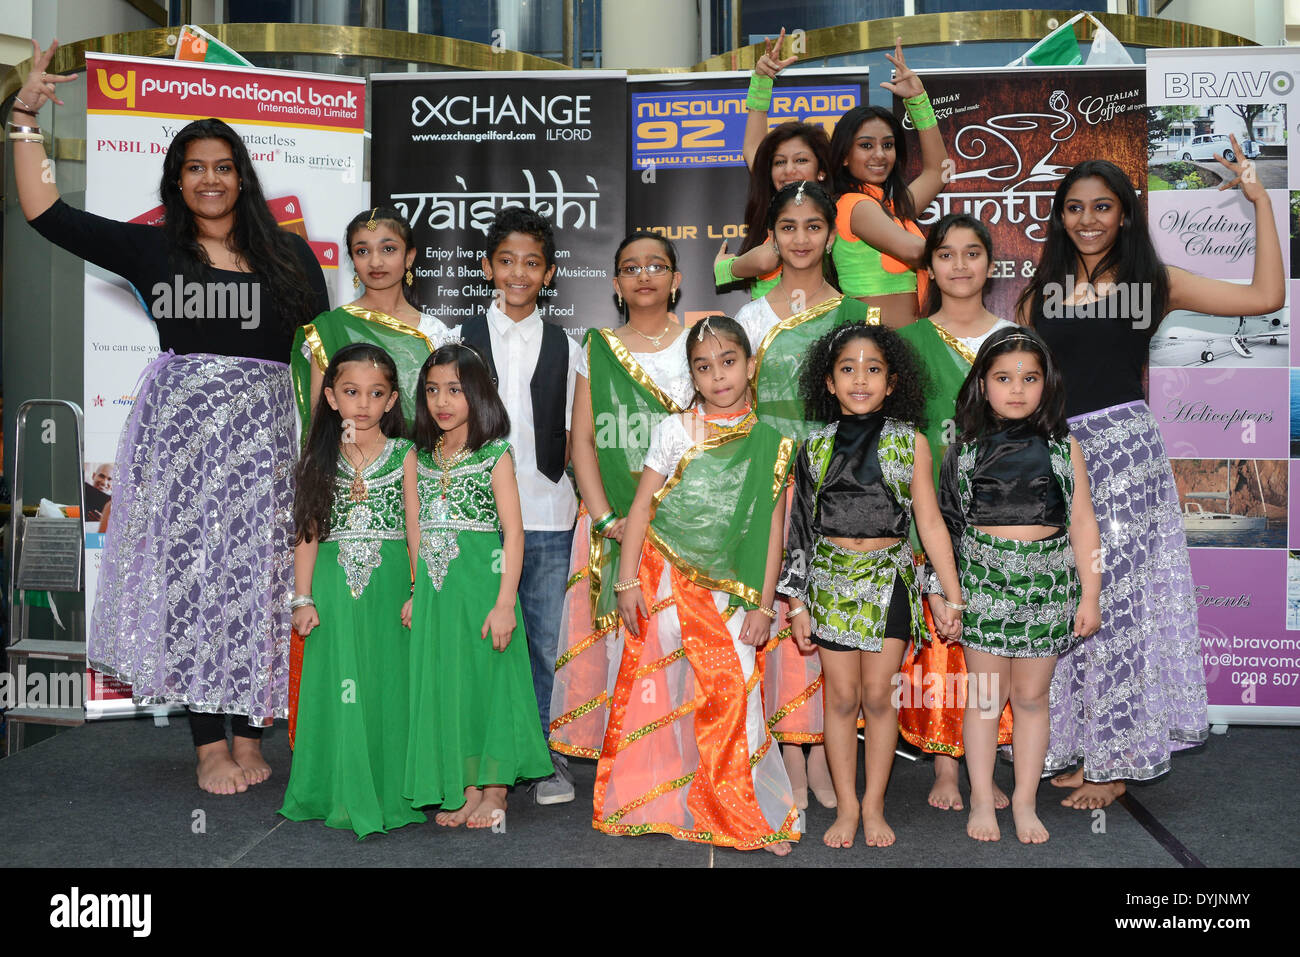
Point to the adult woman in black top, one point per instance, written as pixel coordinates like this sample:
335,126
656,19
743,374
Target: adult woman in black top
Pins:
197,570
1126,698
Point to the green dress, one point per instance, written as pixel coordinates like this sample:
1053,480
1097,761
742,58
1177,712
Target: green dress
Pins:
473,710
315,343
350,751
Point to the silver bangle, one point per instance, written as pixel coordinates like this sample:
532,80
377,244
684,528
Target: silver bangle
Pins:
795,611
27,137
301,601
15,128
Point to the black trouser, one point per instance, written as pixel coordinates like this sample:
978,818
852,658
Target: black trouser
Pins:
211,728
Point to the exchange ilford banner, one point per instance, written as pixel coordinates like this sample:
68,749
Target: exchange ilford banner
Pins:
456,148
1012,135
688,179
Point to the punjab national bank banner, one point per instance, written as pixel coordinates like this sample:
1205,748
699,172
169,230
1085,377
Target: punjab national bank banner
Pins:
1012,134
688,179
452,149
1224,389
305,135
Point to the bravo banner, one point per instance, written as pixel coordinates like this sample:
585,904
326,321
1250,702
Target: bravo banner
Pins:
1012,134
688,179
305,135
1224,389
455,148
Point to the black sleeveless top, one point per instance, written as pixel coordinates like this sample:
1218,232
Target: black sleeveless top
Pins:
1100,353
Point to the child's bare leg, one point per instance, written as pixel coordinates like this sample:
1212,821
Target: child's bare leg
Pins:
879,671
988,683
473,796
843,694
218,773
797,772
1031,679
491,810
247,753
819,776
945,794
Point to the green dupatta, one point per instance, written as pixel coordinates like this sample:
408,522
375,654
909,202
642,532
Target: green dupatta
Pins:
780,358
946,361
713,517
626,405
317,342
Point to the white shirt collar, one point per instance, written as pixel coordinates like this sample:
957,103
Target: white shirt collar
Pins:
501,324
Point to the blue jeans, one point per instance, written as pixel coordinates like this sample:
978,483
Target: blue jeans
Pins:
541,596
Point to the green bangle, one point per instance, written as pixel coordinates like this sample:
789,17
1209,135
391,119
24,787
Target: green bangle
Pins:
760,93
722,272
920,111
604,522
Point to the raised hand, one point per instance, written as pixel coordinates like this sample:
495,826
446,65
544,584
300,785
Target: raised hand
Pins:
39,87
770,63
905,83
1243,171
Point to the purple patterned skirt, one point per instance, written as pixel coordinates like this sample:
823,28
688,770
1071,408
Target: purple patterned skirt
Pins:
197,568
1124,699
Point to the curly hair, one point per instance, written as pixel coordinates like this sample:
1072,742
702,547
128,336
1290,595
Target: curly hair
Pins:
907,400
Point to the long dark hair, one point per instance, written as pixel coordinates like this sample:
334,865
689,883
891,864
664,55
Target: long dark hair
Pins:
976,419
898,199
488,418
1133,258
791,192
390,216
319,462
934,299
670,253
254,235
760,177
719,327
906,402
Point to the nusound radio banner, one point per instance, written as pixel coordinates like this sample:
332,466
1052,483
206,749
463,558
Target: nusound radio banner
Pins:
456,148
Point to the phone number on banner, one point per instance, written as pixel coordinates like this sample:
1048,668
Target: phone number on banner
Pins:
707,127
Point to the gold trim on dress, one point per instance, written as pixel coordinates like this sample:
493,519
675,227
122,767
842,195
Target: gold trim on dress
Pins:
784,452
634,369
387,321
312,338
952,342
790,322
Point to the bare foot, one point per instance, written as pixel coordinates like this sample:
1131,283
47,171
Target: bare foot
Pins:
1071,779
218,772
459,816
944,795
491,810
840,834
819,776
1091,795
982,824
796,770
780,848
1029,828
874,828
1000,799
247,753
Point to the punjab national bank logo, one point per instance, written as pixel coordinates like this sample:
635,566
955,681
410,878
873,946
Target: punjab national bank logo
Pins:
117,86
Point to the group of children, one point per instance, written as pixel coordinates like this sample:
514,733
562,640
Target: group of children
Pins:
755,492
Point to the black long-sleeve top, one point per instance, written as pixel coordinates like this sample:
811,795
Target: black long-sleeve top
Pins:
1011,483
140,255
853,502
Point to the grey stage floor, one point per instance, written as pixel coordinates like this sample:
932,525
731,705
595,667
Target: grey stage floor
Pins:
122,794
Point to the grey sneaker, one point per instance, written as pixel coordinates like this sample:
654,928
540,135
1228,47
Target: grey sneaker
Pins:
557,789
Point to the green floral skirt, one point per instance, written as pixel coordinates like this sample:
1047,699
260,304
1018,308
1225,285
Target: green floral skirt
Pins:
849,593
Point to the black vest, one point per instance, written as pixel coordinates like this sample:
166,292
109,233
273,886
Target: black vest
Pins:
549,389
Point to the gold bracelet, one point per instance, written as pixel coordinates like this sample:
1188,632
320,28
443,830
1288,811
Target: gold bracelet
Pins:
953,605
770,613
627,584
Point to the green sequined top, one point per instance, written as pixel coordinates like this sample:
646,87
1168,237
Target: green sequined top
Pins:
465,505
358,527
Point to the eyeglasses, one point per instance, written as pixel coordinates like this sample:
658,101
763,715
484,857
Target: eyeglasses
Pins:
653,270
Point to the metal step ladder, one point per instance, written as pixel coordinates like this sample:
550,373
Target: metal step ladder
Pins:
45,555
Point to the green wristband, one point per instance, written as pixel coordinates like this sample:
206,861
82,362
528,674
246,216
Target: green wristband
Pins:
760,93
920,111
722,272
604,522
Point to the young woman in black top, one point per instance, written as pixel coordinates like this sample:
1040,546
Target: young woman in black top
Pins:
197,570
1136,692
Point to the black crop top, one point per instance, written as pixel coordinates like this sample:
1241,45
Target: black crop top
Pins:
853,502
1101,355
139,254
1011,483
